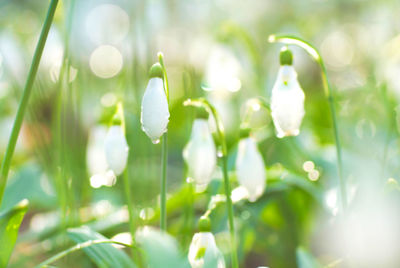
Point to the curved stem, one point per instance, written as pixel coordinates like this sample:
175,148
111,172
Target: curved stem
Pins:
164,156
78,247
161,61
5,167
293,40
201,102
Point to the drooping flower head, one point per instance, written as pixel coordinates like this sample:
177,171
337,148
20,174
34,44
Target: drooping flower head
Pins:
287,100
200,153
154,111
203,251
250,169
115,146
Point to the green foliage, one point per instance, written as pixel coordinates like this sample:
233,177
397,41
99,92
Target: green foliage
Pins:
103,255
359,45
29,183
9,226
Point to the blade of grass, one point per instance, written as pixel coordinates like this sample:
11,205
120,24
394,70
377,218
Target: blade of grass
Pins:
5,166
78,247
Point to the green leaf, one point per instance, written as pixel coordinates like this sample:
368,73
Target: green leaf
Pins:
9,225
161,249
104,255
29,183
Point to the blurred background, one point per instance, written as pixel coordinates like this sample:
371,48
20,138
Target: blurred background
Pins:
219,50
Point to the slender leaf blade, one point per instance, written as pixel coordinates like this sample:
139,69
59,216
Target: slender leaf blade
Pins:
9,226
103,255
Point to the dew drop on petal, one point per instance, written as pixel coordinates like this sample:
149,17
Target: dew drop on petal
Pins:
157,141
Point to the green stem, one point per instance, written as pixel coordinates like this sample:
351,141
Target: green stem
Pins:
287,39
164,156
127,188
164,159
60,179
201,102
5,167
78,247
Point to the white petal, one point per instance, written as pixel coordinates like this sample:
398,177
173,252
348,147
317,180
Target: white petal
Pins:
250,168
212,257
200,153
155,113
95,156
287,103
116,149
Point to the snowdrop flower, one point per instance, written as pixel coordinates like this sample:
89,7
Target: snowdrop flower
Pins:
200,153
116,148
250,168
287,100
155,113
203,251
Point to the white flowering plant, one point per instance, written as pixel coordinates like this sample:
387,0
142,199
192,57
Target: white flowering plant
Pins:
239,148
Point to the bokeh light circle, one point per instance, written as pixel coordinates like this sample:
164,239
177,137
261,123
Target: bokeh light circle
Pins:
106,61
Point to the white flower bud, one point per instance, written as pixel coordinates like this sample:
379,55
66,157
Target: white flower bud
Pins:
155,113
116,149
203,252
200,153
287,103
250,168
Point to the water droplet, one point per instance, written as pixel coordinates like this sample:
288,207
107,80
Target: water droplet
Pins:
157,141
189,180
219,153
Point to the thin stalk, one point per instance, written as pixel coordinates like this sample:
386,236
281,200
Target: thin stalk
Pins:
292,40
119,113
221,135
164,156
128,197
163,197
189,215
5,166
76,248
